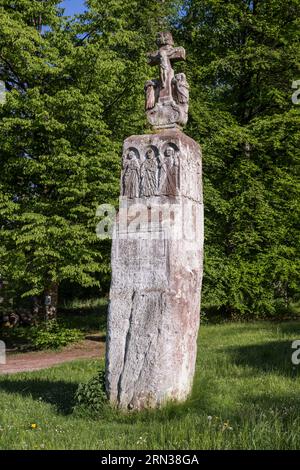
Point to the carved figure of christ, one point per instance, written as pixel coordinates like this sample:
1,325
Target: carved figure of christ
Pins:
164,58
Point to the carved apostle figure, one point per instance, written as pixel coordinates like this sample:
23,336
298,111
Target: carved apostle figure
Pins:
149,174
169,173
131,175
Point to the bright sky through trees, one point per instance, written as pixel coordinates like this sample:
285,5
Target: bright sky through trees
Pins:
72,7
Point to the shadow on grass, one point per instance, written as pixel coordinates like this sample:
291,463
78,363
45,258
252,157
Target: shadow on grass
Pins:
86,323
85,318
290,328
273,356
57,393
285,404
97,338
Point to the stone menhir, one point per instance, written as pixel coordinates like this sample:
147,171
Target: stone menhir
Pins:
157,251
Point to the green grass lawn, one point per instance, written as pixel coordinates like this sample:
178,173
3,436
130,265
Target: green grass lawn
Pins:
246,396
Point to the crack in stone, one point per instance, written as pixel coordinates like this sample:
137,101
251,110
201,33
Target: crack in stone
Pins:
158,330
128,335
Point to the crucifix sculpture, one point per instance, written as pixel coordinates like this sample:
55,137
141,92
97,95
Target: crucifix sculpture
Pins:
167,98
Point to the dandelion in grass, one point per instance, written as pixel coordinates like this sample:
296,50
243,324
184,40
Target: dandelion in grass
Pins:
226,426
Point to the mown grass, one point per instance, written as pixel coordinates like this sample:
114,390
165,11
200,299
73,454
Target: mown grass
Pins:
246,395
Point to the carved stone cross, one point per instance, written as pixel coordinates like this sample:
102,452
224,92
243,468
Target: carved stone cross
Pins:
164,57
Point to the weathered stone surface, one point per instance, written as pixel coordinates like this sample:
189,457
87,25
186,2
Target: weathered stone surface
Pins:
157,258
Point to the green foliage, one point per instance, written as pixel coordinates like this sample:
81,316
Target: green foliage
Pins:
76,91
90,397
54,336
47,335
57,157
242,59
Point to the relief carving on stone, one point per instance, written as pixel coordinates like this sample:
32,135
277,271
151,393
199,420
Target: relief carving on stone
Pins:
169,171
181,89
149,172
131,173
190,177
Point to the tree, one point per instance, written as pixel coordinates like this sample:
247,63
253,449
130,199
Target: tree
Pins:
75,91
57,157
243,57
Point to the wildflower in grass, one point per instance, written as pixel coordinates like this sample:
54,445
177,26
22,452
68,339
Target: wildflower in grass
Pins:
141,440
226,426
33,426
